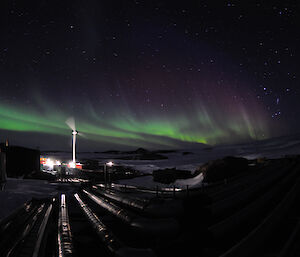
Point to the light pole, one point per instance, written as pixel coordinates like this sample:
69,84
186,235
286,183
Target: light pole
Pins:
109,164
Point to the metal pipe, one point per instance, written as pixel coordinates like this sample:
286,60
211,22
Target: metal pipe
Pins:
256,237
65,242
154,208
159,227
105,177
113,244
41,232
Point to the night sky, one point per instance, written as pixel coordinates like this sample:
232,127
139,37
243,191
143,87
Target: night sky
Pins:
153,74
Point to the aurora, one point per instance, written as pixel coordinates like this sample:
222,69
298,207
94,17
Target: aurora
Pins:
181,127
153,76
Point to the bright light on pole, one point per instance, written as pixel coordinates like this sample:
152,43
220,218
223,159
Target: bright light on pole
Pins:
49,163
72,165
109,164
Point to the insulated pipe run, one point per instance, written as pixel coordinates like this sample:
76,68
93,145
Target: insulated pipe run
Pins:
64,237
42,231
111,242
156,227
119,197
153,208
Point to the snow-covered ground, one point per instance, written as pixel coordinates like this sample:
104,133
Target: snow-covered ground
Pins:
19,191
147,181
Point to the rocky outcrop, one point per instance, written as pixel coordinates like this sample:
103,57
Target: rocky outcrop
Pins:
167,176
222,168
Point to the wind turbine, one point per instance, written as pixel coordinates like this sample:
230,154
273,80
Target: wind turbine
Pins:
74,133
71,123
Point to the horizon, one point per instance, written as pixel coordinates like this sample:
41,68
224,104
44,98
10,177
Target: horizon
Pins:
86,148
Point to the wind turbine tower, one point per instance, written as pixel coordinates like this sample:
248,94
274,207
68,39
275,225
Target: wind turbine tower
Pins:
74,133
71,123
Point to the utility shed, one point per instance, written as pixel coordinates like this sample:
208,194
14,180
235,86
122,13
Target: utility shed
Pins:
20,161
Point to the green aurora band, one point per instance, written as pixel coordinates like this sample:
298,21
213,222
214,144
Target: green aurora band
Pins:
155,131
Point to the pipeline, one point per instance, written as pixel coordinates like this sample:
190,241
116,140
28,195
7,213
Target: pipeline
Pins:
156,227
256,237
245,195
41,232
113,244
7,224
65,242
166,192
253,209
149,207
21,243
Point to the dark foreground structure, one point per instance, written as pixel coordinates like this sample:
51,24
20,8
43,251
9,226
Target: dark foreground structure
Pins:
254,213
3,175
20,161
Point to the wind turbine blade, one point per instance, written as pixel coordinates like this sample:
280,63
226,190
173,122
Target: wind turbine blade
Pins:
71,123
82,135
